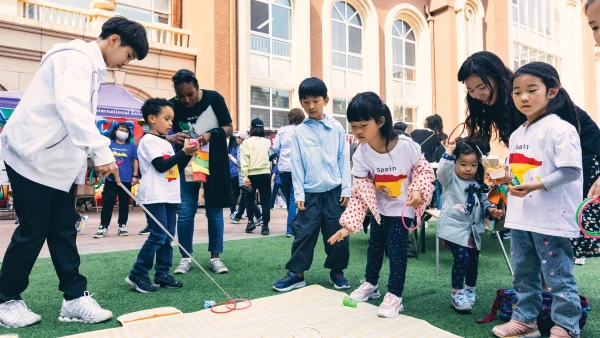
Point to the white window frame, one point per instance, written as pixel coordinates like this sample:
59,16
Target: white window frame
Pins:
271,38
423,103
342,115
153,10
347,54
536,42
370,48
271,108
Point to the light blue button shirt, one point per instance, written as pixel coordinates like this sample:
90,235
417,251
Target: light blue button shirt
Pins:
320,158
283,145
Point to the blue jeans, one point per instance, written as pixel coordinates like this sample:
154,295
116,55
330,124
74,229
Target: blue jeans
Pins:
438,194
553,256
185,222
290,201
158,243
391,233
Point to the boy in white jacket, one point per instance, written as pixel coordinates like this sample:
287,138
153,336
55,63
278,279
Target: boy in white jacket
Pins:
45,146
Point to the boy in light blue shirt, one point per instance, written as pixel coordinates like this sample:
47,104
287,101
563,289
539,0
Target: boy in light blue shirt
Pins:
320,164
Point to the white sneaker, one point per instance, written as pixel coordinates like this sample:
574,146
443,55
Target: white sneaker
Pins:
470,295
580,261
84,310
184,266
391,306
15,313
102,231
218,267
365,292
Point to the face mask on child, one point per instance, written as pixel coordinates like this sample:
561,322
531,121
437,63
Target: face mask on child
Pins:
122,135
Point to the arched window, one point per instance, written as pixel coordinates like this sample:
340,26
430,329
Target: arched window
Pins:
347,47
404,65
271,39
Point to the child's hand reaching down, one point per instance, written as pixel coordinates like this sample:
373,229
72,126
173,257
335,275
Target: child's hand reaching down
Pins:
339,236
522,190
495,213
415,199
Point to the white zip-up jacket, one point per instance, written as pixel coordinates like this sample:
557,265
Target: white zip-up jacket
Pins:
53,129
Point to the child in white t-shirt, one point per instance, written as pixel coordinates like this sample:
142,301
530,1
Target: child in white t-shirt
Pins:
401,176
546,188
159,193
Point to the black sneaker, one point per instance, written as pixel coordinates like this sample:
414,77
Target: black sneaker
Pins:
259,221
141,284
146,231
265,230
250,227
168,282
123,230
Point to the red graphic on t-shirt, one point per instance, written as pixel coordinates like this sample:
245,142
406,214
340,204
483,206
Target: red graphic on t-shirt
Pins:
390,185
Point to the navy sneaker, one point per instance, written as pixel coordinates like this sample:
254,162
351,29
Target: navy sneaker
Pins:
339,281
141,284
168,282
289,282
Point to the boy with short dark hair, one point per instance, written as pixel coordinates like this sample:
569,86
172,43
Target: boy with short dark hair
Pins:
320,164
45,145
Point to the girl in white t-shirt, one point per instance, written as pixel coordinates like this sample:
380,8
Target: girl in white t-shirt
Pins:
393,168
546,188
159,193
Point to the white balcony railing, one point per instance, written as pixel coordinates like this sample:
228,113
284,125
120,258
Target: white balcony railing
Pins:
81,18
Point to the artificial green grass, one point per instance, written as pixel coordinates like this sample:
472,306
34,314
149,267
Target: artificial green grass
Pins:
255,264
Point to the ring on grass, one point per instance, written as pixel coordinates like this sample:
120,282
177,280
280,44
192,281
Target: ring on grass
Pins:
579,218
237,301
212,309
417,212
453,130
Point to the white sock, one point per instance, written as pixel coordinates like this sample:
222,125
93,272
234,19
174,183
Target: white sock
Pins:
186,259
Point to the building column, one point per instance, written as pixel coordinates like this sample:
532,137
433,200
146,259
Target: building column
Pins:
572,40
445,63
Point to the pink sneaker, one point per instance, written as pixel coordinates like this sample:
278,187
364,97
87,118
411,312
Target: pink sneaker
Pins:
559,332
365,292
391,306
516,329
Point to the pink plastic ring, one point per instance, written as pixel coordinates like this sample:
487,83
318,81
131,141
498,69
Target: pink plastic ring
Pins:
418,219
453,130
237,301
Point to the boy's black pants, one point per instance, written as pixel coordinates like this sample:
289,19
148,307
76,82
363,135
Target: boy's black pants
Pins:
44,214
323,212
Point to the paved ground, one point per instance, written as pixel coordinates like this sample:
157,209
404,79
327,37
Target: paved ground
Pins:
137,221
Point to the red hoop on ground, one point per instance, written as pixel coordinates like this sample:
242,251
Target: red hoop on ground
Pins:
417,213
453,130
212,309
579,216
240,300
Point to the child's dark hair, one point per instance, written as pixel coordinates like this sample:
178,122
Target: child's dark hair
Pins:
442,137
113,132
561,104
154,106
368,105
232,143
482,120
312,87
131,33
468,148
257,131
434,122
400,128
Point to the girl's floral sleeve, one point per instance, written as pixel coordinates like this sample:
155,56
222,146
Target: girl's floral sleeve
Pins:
422,177
362,199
